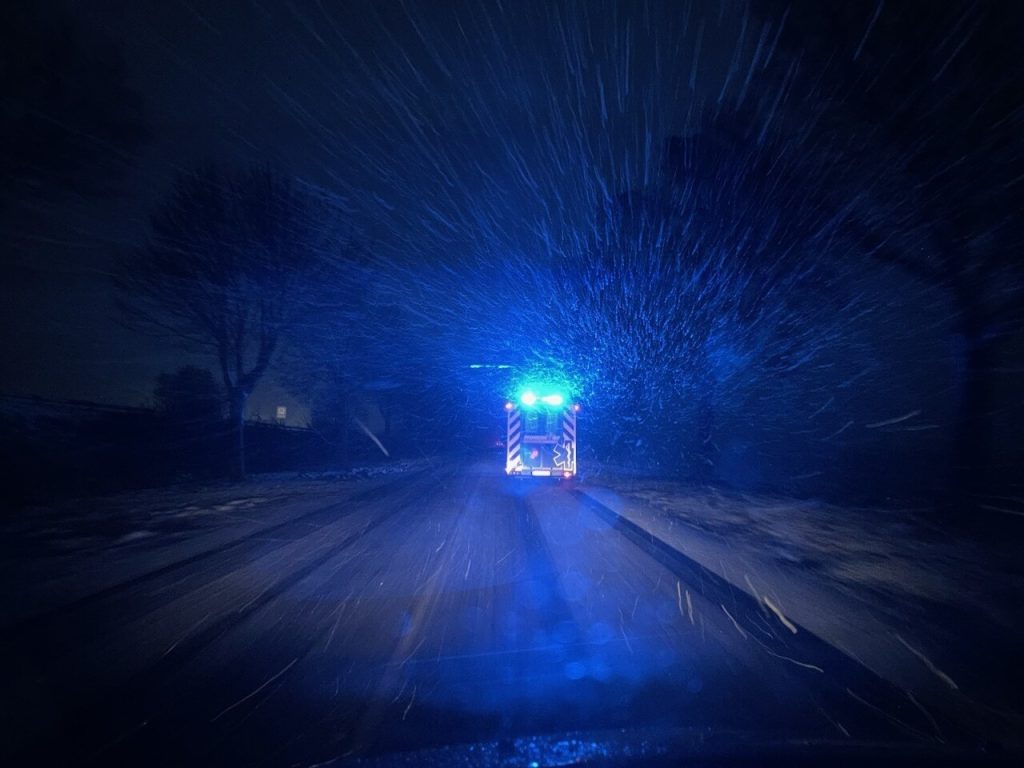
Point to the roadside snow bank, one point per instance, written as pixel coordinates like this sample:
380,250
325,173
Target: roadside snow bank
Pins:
937,616
54,555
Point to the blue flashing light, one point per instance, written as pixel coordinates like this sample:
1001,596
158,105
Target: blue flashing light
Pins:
552,397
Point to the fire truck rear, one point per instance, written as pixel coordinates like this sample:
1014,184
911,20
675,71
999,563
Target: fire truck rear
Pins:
541,440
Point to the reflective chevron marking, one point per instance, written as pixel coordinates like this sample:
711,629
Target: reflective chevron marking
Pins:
513,444
569,438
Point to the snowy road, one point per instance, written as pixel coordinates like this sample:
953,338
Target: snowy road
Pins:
429,608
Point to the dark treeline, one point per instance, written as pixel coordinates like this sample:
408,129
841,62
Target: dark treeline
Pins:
51,451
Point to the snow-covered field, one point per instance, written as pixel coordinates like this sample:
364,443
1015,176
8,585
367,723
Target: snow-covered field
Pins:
934,613
53,555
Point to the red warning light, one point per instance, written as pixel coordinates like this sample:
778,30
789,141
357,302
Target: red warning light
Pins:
567,475
508,406
576,408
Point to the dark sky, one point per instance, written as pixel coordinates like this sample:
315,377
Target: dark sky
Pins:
203,80
443,128
380,103
68,343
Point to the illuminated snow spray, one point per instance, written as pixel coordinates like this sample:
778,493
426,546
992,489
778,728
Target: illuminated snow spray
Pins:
541,438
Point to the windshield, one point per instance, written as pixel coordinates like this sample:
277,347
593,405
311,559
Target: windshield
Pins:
496,382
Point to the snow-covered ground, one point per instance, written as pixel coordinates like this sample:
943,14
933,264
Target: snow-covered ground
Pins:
936,615
53,555
933,613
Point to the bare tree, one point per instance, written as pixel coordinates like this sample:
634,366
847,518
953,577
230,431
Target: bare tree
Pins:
232,263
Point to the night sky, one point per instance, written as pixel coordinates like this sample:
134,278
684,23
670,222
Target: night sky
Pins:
320,94
200,76
480,133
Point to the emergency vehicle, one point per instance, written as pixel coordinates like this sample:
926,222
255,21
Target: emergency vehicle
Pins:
541,440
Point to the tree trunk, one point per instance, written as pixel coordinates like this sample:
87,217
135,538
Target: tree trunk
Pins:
239,397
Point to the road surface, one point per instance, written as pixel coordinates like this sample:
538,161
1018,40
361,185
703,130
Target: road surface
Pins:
429,608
